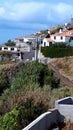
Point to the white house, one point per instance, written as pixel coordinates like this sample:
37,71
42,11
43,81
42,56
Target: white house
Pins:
63,37
47,42
31,38
20,41
8,48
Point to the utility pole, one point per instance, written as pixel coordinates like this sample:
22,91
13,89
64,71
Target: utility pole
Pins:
39,53
36,49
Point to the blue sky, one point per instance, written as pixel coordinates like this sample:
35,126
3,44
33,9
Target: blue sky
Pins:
23,17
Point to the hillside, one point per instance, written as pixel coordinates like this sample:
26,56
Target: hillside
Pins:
63,67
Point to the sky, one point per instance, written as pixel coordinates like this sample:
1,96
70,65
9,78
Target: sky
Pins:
23,17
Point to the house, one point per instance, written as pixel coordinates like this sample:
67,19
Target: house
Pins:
47,42
20,41
31,38
22,44
61,37
8,48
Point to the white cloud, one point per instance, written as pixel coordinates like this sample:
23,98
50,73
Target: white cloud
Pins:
63,11
2,11
39,13
20,11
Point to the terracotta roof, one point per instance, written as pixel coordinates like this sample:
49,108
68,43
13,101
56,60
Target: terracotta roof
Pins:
56,34
30,36
19,38
71,30
49,39
3,45
41,35
66,34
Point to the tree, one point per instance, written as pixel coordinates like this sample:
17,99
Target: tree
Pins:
10,43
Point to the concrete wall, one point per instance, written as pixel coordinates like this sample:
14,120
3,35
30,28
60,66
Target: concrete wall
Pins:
65,107
44,121
66,101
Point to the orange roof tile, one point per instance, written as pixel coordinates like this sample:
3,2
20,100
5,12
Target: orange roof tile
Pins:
49,39
30,36
3,45
55,34
41,35
66,34
19,38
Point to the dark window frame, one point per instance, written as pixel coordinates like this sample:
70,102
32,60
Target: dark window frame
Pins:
61,38
12,49
54,37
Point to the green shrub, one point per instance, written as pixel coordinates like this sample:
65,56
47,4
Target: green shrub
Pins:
4,82
33,73
9,121
22,115
10,43
57,50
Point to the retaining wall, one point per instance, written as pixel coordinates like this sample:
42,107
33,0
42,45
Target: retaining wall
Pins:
44,121
65,107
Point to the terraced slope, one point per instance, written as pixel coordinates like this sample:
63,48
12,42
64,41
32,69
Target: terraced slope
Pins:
63,68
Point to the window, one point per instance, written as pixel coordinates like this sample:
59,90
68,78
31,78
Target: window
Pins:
50,43
44,43
12,49
54,37
61,37
0,48
5,48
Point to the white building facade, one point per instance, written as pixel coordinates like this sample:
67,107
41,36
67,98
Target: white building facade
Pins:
62,37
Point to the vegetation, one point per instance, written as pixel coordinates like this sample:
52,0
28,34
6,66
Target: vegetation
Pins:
6,54
22,115
34,73
19,105
4,82
57,50
44,31
10,43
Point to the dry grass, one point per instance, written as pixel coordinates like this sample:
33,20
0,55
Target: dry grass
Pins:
64,65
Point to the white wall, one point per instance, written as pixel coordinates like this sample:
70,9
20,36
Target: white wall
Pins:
45,43
26,40
65,107
58,39
21,44
9,49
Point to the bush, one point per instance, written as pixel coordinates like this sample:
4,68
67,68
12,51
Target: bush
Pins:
10,43
57,50
6,54
33,73
4,82
22,115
